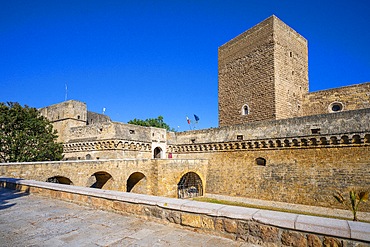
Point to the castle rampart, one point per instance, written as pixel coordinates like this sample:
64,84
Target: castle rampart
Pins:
338,99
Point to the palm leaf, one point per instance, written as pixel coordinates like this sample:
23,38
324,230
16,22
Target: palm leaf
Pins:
364,196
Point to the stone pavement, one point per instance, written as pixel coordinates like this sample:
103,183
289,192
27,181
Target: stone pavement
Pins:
29,220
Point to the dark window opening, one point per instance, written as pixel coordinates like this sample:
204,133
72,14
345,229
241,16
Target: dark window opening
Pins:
245,110
261,161
315,131
157,153
59,180
239,137
132,131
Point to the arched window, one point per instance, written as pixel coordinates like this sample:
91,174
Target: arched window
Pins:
245,110
157,153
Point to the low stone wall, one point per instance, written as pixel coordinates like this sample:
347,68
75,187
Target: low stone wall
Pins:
256,226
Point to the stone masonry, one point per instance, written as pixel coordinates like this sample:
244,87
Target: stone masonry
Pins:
276,140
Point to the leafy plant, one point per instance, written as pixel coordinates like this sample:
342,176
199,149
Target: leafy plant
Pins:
152,122
26,136
355,198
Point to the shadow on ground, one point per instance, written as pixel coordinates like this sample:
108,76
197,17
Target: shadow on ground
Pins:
7,195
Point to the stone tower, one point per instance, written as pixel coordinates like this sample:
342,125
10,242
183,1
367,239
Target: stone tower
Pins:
262,74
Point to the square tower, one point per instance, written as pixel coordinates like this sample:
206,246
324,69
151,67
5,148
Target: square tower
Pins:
262,74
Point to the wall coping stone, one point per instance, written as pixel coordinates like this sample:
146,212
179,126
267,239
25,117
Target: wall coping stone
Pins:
313,224
99,161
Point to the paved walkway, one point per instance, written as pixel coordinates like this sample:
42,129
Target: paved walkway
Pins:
29,220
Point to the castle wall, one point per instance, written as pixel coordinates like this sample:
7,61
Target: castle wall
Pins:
291,70
265,69
351,98
112,140
93,118
307,158
299,175
245,76
64,116
325,124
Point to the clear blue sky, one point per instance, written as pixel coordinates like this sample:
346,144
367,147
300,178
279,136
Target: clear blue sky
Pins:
142,59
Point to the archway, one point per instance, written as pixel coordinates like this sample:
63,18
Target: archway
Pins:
190,185
59,180
137,183
157,153
100,180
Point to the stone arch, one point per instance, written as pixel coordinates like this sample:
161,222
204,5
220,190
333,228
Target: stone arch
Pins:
356,139
367,138
59,180
137,183
100,180
190,185
157,153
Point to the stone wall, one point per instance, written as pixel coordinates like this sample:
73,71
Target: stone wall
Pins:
254,226
337,124
300,175
245,76
64,116
161,176
291,70
351,98
264,69
307,158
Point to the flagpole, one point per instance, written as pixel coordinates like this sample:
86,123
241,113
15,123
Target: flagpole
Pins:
188,120
65,97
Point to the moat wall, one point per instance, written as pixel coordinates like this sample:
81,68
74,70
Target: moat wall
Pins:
296,175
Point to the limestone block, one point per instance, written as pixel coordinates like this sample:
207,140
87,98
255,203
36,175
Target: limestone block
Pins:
201,207
331,227
208,223
266,233
360,230
290,238
192,220
275,218
231,226
237,212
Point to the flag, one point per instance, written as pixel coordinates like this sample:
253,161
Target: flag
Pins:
187,119
196,118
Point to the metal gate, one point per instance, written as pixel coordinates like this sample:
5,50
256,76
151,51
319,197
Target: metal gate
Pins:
190,185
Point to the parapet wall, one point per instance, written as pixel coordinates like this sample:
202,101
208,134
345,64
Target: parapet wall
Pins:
357,121
349,98
242,224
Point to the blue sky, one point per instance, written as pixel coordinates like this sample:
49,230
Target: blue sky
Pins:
142,59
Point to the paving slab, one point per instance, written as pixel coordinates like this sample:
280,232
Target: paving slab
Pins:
30,220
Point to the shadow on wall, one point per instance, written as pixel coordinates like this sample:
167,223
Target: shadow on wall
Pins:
9,193
100,180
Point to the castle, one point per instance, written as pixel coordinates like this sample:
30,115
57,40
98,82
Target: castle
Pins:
275,141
